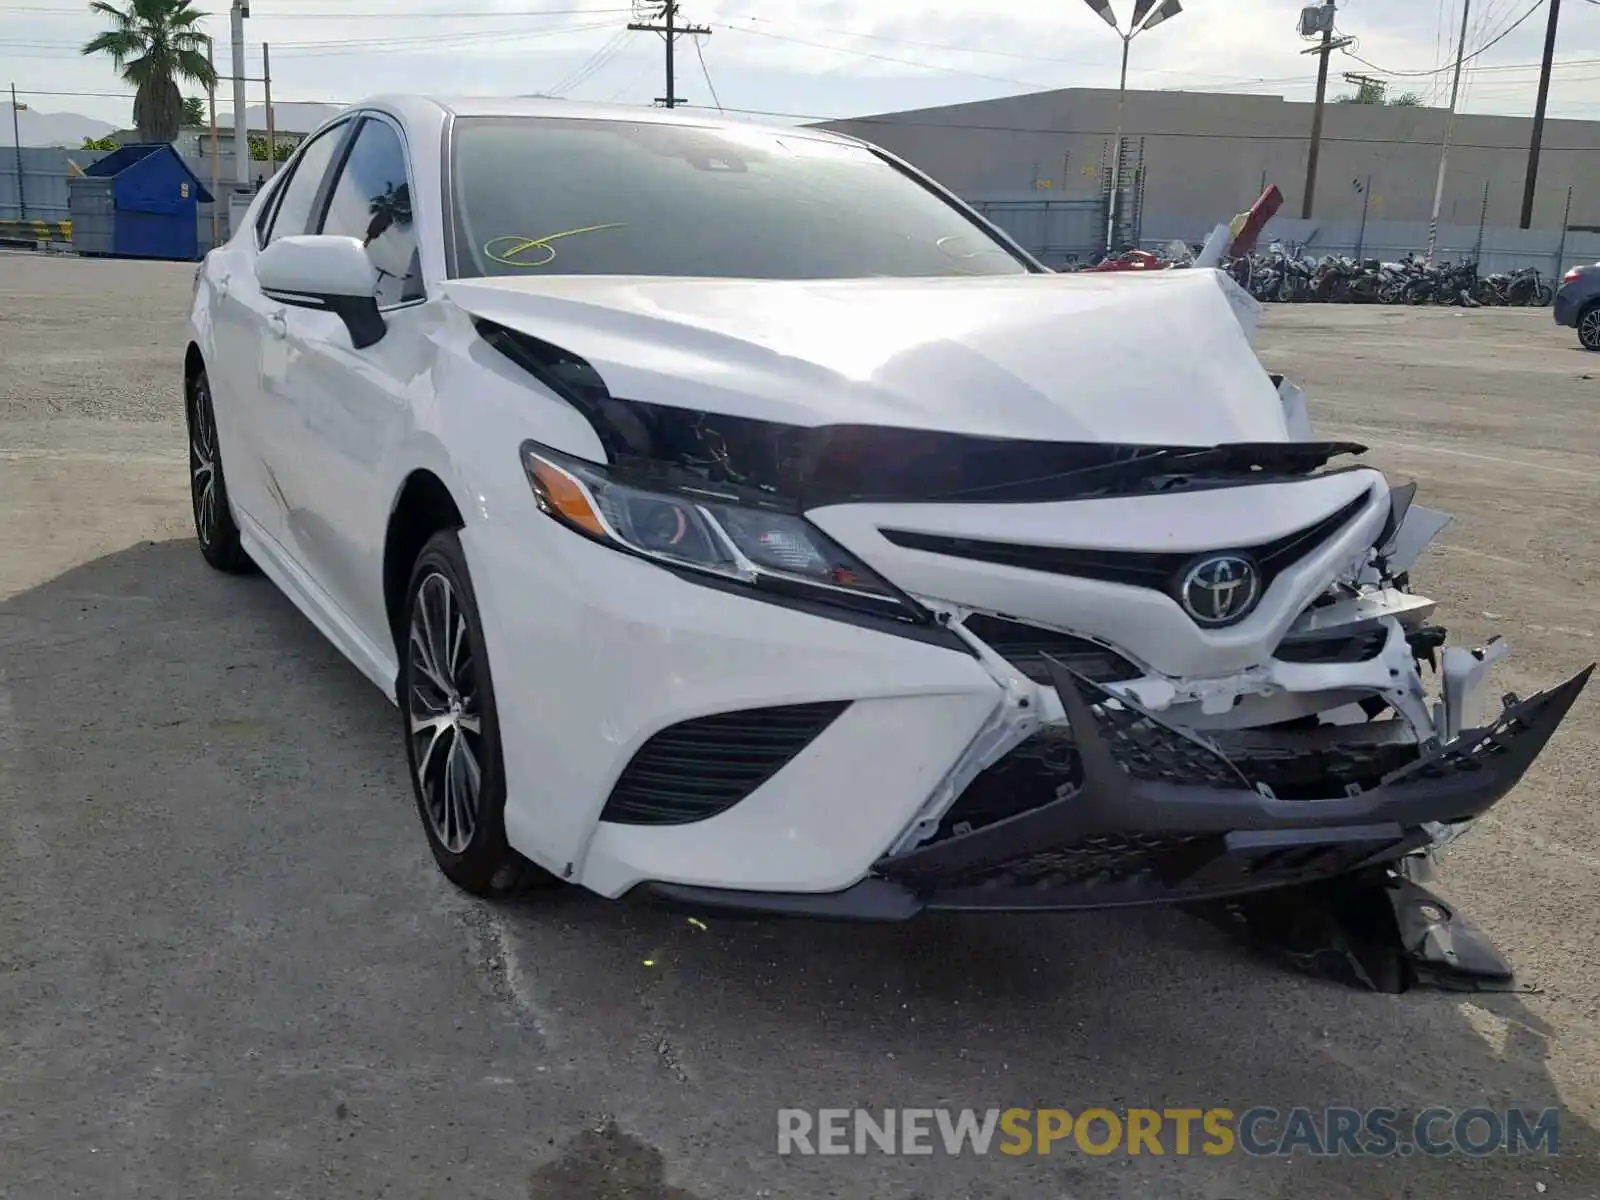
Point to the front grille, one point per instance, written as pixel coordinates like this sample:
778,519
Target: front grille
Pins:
1025,647
1158,571
1313,763
697,769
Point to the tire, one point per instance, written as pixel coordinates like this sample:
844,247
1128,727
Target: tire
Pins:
214,527
1589,326
1544,296
451,729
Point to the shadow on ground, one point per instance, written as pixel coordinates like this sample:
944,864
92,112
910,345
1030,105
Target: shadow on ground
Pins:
227,962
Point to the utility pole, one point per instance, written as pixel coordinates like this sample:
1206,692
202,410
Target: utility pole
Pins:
1449,129
241,124
1367,86
16,144
1532,178
216,150
1318,20
671,31
272,129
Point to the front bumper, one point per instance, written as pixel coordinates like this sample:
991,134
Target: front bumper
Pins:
1122,833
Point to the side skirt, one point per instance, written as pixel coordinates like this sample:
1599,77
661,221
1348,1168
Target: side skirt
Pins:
306,595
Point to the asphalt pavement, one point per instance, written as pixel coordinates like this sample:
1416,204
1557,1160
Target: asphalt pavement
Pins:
229,968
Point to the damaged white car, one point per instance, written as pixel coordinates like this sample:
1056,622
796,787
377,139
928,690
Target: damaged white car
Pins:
737,518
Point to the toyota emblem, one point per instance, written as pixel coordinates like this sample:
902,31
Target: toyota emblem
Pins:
1220,589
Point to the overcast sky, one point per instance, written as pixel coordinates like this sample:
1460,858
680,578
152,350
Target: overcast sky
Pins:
832,58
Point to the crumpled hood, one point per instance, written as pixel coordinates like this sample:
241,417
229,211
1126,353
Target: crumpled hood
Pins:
1158,358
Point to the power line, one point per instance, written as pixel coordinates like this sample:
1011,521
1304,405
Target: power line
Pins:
710,87
346,46
955,48
882,57
595,63
1504,33
323,15
1058,131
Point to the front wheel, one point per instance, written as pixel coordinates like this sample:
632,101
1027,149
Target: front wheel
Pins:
214,527
1544,296
452,729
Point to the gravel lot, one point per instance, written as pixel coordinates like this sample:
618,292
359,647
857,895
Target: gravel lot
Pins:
228,968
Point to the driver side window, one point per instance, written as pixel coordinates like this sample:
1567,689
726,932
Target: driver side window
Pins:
372,202
299,195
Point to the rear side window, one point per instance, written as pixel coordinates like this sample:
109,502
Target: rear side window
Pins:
372,203
299,195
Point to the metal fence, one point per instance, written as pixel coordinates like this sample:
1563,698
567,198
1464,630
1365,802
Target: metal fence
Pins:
1063,231
1058,232
44,194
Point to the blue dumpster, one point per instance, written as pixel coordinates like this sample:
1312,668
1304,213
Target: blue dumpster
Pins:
139,201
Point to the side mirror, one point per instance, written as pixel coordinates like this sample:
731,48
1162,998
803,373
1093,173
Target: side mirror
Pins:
327,272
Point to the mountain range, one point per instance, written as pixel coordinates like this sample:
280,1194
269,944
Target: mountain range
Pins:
36,128
69,129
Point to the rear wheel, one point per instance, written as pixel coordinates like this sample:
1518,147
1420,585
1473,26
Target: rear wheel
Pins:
214,528
1589,326
452,729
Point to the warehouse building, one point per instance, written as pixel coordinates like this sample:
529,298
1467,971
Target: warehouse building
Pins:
1199,157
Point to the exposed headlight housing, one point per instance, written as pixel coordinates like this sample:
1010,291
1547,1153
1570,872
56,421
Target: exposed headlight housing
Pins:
695,528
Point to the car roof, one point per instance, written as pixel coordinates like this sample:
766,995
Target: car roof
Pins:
552,106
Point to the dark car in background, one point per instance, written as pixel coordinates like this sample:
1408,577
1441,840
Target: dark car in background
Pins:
1577,304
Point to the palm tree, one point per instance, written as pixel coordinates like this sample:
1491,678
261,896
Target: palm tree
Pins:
194,110
155,44
392,207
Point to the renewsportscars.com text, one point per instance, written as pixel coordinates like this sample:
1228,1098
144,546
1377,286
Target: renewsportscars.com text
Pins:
1213,1132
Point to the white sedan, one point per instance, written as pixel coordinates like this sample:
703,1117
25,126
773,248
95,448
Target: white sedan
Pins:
737,517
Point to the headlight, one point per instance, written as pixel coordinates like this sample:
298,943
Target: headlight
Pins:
698,529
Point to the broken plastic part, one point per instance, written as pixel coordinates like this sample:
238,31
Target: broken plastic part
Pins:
1417,531
1377,929
1295,412
1401,497
1463,674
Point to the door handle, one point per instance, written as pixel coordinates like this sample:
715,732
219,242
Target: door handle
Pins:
278,323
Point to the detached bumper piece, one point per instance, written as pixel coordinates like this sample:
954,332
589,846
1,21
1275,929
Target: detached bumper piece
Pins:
1148,813
1116,808
1377,930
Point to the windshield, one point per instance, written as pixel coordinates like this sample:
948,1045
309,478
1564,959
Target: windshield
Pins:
570,196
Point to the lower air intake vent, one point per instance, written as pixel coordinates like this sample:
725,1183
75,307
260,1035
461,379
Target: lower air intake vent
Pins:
697,769
1025,647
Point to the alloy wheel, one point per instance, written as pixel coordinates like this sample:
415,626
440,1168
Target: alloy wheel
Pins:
445,721
1589,329
203,463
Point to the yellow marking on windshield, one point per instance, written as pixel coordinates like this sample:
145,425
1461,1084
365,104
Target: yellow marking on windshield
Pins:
511,249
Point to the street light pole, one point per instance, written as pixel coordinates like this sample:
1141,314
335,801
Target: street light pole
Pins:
1146,16
1116,154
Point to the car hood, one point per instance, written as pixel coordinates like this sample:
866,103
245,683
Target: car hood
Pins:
1159,358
